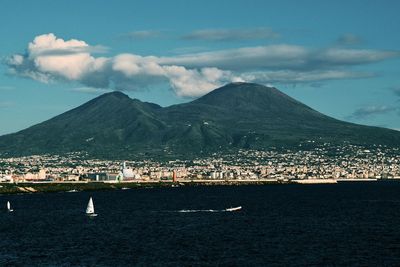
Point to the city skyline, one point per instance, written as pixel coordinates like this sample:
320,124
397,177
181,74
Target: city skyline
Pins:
345,68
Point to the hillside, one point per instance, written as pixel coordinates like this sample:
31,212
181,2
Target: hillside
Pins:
238,115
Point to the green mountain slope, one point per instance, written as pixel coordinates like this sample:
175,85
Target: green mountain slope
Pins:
238,115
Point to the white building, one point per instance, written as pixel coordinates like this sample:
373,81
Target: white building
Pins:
126,173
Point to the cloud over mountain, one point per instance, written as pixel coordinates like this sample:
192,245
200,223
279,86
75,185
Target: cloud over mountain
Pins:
50,58
368,111
292,57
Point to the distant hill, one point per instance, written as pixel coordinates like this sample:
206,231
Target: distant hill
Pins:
238,115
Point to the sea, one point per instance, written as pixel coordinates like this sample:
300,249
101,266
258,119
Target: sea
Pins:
345,224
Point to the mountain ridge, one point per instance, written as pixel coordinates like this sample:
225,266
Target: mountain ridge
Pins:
235,116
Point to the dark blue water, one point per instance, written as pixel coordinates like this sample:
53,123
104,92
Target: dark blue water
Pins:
296,225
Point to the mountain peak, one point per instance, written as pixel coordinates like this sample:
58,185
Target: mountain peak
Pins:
111,98
240,86
117,94
244,84
243,88
242,94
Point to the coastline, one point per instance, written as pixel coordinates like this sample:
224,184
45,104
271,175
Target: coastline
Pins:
55,187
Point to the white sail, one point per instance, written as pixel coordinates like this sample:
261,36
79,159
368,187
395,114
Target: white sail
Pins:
90,207
9,206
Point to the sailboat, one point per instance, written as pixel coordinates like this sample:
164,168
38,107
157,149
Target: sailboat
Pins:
9,209
90,208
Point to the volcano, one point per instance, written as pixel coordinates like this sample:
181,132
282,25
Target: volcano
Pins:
235,116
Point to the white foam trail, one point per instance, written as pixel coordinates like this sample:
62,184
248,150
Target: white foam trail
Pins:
185,211
193,211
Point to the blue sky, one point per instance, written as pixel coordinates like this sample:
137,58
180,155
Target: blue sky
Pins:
341,58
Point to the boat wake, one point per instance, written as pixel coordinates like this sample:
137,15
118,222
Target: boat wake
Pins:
191,211
195,211
224,210
72,191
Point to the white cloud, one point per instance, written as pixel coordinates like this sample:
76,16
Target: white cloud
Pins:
122,72
90,90
343,57
194,82
70,66
16,60
369,111
281,56
302,76
247,58
231,34
49,58
132,65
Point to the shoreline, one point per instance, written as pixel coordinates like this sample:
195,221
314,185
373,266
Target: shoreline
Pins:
55,187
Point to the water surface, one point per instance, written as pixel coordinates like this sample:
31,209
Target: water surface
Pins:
297,225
